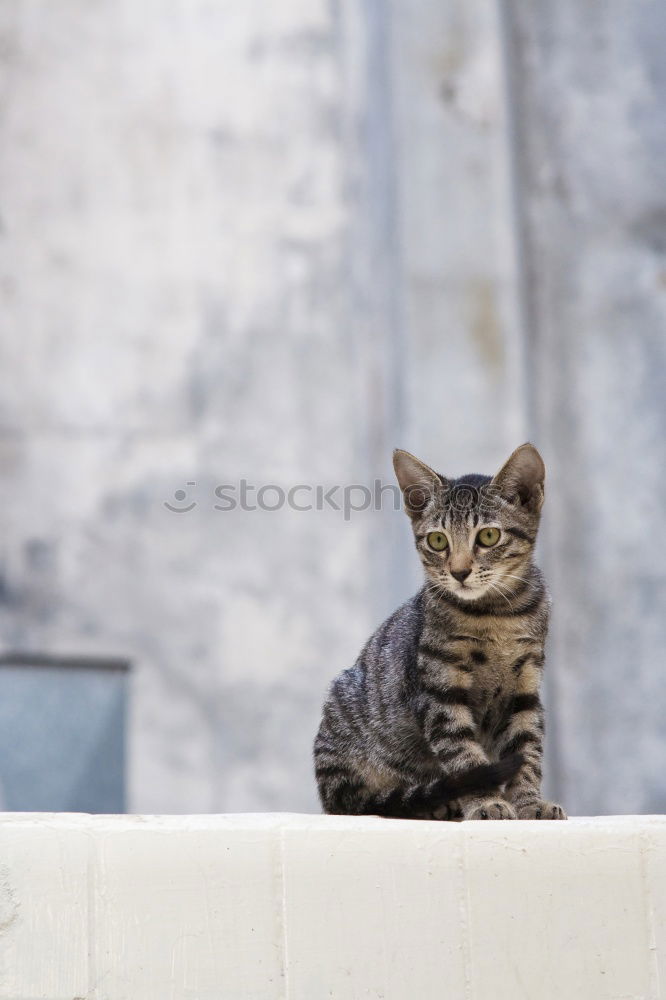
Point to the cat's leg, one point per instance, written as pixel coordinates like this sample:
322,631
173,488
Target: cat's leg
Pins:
343,791
443,711
523,733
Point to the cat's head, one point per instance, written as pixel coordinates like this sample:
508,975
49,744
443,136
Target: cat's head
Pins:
475,534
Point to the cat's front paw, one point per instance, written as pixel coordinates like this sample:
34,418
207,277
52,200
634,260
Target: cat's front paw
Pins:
541,810
490,809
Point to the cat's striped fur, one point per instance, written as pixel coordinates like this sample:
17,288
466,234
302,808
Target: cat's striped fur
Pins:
441,717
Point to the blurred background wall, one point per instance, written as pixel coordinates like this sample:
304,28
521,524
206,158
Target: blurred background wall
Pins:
271,242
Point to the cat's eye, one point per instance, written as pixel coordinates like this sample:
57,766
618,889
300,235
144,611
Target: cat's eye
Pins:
438,541
488,537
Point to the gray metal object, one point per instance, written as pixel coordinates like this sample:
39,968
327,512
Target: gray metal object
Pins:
62,734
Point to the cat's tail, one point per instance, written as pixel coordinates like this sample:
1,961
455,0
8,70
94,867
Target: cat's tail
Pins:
480,779
411,802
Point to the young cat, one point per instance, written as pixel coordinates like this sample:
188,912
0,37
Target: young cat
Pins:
442,708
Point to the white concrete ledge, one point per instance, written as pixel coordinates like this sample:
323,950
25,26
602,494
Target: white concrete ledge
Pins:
261,907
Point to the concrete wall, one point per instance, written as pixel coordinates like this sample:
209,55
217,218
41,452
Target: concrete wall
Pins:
273,242
306,907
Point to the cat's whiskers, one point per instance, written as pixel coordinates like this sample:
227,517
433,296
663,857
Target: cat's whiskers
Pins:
495,586
440,589
435,589
503,589
514,577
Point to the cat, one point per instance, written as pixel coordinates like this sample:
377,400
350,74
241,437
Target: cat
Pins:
440,717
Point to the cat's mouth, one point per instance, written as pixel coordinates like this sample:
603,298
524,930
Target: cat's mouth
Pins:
465,590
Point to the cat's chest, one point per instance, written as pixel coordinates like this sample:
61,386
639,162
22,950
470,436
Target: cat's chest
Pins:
492,689
497,658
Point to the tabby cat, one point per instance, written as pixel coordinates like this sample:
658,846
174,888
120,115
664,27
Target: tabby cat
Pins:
440,717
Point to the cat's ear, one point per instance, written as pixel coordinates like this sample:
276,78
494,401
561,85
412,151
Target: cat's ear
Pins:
521,479
418,482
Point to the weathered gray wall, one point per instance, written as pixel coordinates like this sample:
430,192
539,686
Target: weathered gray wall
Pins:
273,242
178,201
589,91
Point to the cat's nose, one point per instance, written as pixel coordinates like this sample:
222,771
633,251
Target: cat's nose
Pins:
460,574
